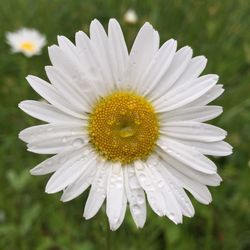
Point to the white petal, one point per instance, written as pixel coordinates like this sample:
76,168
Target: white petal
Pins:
136,196
67,90
99,42
122,214
48,131
49,93
211,95
67,47
48,113
206,179
64,63
198,114
98,191
80,184
74,69
82,41
157,68
178,65
179,97
173,210
155,198
185,154
67,174
145,46
118,51
198,190
115,193
218,148
195,131
176,187
55,162
57,144
92,73
192,71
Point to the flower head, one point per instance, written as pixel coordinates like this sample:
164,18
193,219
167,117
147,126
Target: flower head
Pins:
27,41
127,124
130,16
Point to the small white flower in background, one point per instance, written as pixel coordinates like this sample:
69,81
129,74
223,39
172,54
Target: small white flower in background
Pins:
127,124
28,41
130,16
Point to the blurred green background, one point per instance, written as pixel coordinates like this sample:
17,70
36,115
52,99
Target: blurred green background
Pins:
31,219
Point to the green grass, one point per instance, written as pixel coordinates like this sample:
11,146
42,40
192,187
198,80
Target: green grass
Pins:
31,219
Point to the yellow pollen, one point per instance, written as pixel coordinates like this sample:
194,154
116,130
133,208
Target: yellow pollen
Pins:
123,127
28,46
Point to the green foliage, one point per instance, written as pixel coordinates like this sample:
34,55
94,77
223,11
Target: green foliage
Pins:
31,219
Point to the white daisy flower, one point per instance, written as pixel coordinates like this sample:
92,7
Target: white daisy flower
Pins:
27,41
127,125
130,16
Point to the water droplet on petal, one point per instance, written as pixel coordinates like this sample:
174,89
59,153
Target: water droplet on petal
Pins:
161,184
139,166
100,190
133,183
49,162
62,159
78,142
49,128
64,139
171,216
136,209
140,199
142,177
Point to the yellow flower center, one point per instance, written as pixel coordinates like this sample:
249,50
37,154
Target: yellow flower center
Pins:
28,46
123,127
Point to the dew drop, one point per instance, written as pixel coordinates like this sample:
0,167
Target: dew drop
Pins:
142,177
139,166
140,199
49,128
171,216
153,161
136,209
131,170
86,152
116,169
62,159
32,136
126,132
64,139
99,181
73,132
133,183
78,142
169,151
100,190
116,218
49,162
161,184
118,185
